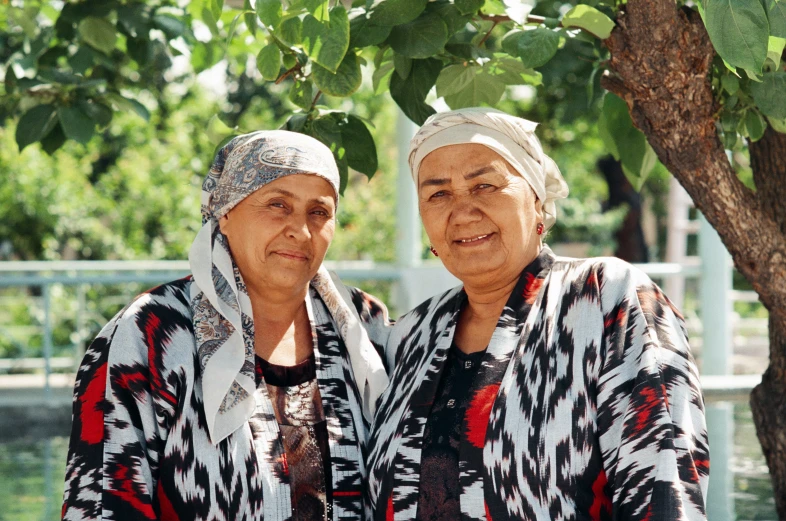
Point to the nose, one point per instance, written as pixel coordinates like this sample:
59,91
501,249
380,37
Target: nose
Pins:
297,228
465,210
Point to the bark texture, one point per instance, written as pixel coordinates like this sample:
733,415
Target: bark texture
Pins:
660,64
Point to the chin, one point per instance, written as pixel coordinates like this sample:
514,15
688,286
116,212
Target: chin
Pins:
473,269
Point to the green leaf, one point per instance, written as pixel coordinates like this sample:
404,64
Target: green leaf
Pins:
76,124
126,104
395,12
421,38
533,47
98,33
410,94
345,81
216,8
269,12
778,125
98,112
403,65
380,74
289,61
296,123
729,120
469,6
326,129
319,8
589,19
483,87
205,55
624,141
250,17
363,33
210,21
54,140
730,83
171,26
35,124
738,31
512,72
269,62
755,125
302,93
454,78
233,28
290,31
776,12
450,14
134,18
361,152
326,43
775,51
770,94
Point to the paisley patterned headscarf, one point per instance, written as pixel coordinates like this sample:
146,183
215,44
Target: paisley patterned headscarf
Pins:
221,307
512,138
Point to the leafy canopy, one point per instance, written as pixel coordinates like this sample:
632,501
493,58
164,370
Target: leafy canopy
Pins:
69,67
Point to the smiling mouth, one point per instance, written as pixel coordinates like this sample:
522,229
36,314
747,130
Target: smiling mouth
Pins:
292,255
473,239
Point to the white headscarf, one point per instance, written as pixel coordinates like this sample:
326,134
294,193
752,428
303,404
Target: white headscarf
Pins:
221,307
512,138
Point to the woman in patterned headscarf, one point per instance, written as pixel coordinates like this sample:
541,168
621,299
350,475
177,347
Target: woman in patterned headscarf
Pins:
243,391
544,388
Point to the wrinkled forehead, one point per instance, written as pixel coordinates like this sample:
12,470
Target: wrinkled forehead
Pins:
463,160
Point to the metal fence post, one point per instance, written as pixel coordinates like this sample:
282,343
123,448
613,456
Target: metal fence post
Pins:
716,308
408,231
48,343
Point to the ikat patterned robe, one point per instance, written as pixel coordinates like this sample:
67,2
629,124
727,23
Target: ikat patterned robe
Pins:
140,448
587,404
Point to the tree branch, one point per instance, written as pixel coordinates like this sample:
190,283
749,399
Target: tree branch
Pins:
498,18
661,60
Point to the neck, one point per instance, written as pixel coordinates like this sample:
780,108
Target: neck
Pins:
487,299
276,306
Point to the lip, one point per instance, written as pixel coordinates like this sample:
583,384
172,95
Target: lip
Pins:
292,255
473,240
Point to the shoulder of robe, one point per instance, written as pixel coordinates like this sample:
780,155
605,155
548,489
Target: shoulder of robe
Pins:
617,280
155,328
425,318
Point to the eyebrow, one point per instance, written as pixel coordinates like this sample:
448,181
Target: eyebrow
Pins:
439,181
287,193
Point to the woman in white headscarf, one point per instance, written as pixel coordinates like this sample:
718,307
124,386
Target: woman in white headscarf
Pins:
543,388
245,390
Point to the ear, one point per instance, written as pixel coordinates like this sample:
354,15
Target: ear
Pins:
538,207
222,223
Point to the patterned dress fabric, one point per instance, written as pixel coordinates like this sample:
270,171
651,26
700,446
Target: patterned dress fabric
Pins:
440,487
587,404
294,392
140,447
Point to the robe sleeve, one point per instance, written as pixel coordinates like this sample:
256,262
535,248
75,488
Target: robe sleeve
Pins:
653,434
374,316
113,453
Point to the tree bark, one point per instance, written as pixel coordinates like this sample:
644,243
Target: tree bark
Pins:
661,59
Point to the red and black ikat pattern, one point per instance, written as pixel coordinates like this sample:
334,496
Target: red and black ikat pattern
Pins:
587,405
140,449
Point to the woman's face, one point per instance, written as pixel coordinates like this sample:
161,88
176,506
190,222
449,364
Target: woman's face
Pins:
480,215
279,234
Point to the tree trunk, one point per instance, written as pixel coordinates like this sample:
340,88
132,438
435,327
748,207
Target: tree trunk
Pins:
660,64
768,404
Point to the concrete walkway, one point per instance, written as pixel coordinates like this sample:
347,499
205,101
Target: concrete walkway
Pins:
27,413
